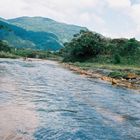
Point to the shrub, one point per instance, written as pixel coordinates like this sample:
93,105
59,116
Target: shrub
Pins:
117,59
117,74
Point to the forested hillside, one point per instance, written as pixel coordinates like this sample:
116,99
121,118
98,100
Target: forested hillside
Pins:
21,38
92,47
63,31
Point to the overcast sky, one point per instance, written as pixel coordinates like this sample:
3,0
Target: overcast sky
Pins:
113,18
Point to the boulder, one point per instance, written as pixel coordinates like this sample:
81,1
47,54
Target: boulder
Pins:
114,82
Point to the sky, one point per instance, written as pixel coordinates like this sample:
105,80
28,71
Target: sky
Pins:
112,18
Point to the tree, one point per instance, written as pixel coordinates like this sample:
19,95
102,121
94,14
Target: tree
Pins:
132,47
83,46
4,47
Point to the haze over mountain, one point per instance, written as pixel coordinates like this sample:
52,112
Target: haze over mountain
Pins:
37,32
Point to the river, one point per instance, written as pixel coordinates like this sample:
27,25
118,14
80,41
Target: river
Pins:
40,100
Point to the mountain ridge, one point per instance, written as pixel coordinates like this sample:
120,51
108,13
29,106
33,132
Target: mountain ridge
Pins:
64,31
21,38
37,32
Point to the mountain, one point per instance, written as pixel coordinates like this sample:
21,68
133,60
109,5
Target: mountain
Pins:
2,19
37,32
63,31
18,37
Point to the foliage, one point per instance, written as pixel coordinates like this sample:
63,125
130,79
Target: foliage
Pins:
7,55
30,53
92,47
83,46
4,47
117,74
10,52
63,31
117,59
21,38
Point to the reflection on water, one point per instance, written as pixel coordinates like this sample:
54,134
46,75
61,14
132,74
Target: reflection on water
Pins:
39,100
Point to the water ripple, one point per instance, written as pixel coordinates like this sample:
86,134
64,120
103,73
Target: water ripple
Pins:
40,100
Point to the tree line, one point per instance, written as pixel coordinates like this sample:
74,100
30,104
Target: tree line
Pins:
88,45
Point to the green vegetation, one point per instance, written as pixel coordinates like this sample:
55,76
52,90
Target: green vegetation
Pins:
20,38
29,53
7,55
115,58
117,74
37,33
88,65
94,48
10,52
63,31
6,51
4,47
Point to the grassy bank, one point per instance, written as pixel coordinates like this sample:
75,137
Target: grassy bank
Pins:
29,53
8,55
87,65
110,70
111,67
120,75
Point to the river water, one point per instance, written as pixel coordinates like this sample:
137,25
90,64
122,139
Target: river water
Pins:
40,100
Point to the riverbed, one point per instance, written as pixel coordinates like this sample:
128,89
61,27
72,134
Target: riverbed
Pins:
41,100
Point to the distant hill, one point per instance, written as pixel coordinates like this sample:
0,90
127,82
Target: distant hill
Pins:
37,32
18,37
63,31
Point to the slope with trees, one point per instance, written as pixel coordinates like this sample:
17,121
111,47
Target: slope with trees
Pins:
89,46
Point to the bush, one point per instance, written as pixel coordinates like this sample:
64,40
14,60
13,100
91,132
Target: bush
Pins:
4,47
117,74
92,47
7,55
83,46
117,59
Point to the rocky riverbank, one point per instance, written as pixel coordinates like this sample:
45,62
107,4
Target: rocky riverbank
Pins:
130,80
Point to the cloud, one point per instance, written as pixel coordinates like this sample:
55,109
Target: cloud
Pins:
119,4
109,17
135,13
11,8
